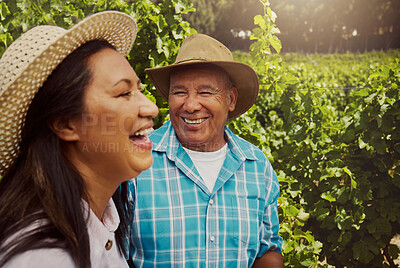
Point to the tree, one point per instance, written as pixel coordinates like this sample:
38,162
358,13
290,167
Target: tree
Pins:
229,21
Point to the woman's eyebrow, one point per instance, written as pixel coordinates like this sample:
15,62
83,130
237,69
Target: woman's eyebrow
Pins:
128,81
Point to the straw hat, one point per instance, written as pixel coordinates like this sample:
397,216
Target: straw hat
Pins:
30,59
200,48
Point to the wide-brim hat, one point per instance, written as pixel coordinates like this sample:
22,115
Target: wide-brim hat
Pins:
200,48
31,58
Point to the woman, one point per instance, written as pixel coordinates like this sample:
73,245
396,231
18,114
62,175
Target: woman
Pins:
73,131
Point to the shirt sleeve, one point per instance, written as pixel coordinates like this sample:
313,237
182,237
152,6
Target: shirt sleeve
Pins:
43,258
269,236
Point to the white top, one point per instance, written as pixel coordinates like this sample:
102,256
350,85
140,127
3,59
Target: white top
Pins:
99,235
208,164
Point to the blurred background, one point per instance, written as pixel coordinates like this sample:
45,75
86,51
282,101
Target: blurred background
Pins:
307,26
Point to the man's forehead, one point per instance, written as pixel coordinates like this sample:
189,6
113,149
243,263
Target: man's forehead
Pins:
199,70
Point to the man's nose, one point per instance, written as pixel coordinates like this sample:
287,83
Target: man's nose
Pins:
192,103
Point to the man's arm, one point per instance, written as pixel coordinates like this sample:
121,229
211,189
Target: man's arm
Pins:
269,237
271,259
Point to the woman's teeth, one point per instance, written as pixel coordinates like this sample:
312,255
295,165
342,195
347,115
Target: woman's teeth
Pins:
195,121
143,132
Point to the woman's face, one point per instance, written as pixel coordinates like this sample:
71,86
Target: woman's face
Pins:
112,141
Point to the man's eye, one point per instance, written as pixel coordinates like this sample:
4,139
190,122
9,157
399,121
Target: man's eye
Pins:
205,93
178,92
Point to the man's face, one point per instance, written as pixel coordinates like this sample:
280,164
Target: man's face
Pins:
199,102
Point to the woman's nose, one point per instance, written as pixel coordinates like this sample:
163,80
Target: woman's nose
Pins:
148,108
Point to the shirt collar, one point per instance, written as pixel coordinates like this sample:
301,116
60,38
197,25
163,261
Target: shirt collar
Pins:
100,232
166,141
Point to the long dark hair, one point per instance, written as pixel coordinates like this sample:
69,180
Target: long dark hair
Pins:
42,186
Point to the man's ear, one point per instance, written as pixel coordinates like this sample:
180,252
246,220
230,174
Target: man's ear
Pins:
65,129
233,96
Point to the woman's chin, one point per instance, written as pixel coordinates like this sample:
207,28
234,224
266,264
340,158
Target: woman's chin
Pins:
141,165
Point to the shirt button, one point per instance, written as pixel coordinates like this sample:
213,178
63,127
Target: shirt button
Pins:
109,244
211,202
212,238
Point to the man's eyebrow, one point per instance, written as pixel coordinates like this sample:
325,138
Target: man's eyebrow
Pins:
207,87
177,87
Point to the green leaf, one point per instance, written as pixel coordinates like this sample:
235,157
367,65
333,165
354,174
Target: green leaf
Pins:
275,43
271,14
361,252
178,7
328,196
353,183
4,11
292,211
259,20
394,251
375,75
303,216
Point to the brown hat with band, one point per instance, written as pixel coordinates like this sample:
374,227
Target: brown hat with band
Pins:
30,59
200,48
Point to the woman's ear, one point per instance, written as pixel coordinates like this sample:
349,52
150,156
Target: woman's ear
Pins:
65,129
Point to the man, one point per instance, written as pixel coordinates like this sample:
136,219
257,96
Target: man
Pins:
210,198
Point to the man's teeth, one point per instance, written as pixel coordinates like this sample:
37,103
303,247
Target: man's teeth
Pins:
143,132
195,121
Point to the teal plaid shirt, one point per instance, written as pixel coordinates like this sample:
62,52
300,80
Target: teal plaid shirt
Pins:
178,222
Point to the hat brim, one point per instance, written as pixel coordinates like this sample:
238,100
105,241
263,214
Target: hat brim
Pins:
31,58
242,75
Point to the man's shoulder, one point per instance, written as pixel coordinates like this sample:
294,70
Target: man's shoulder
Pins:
248,148
157,135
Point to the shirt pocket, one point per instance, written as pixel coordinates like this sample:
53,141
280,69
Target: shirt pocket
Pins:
246,219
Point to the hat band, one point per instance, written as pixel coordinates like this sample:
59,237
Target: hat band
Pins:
194,59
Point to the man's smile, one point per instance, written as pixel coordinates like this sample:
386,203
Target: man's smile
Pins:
194,121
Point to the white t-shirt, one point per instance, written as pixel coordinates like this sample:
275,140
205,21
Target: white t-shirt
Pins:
100,234
208,164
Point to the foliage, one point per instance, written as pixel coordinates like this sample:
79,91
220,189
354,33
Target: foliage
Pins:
161,28
342,159
214,18
300,248
330,126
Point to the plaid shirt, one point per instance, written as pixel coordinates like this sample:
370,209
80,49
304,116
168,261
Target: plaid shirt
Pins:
179,223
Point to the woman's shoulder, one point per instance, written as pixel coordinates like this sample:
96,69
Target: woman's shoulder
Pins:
41,257
46,257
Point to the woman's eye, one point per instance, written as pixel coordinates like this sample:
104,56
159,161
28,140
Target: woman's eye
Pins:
125,94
